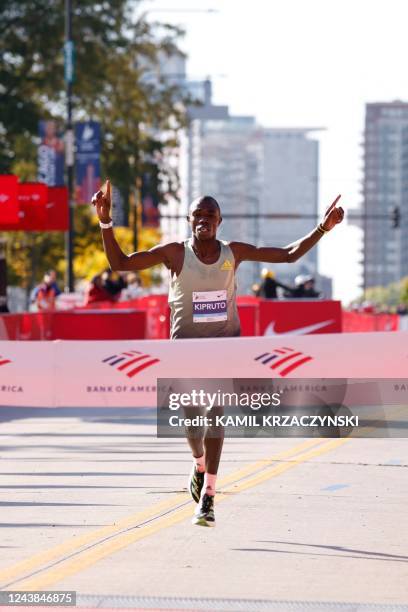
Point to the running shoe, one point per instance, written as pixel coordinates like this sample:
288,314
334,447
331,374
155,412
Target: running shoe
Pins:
204,514
195,483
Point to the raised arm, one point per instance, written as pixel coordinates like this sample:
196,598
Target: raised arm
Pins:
118,260
294,251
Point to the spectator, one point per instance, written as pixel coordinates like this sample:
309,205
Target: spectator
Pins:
3,304
269,285
53,280
256,289
368,307
402,309
133,287
96,291
304,287
45,294
113,284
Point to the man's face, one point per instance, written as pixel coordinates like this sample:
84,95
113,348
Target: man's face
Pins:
204,219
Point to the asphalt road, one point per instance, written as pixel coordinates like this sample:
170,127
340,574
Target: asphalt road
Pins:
92,501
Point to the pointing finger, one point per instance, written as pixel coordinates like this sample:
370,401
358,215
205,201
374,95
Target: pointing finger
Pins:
333,204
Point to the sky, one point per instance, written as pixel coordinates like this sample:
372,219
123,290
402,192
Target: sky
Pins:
303,63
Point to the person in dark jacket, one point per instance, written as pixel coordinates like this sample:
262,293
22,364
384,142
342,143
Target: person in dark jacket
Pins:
304,287
269,285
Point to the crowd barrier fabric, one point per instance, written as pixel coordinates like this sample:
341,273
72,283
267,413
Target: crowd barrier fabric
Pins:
124,372
367,322
105,324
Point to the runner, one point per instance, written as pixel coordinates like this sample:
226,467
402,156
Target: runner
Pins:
202,298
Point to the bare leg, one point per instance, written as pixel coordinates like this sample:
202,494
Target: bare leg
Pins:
196,445
195,434
213,443
208,441
213,450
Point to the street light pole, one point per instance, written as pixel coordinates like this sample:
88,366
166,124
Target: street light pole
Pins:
69,144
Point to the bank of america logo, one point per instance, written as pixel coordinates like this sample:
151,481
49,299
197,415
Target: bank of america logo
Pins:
284,360
3,360
130,362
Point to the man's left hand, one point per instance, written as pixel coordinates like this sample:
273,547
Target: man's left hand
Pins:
333,215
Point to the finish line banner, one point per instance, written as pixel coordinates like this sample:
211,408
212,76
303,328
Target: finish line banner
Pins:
300,408
124,373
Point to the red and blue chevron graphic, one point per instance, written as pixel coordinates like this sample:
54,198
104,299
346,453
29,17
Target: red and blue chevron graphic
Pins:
3,360
284,359
127,359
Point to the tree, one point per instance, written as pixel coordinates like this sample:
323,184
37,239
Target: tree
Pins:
387,297
140,117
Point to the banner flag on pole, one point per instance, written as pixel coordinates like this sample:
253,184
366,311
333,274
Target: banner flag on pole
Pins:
87,160
51,154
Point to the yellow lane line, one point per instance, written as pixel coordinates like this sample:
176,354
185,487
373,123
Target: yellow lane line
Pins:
283,467
73,545
86,559
263,463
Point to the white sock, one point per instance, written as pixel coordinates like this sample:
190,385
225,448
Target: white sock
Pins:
209,484
199,462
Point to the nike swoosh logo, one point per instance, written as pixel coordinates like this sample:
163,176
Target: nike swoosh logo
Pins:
299,331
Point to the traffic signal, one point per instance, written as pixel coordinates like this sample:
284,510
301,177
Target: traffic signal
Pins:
395,217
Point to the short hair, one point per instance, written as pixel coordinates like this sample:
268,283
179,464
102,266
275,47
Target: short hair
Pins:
206,198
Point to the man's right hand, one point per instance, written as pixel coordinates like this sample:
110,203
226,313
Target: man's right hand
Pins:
102,204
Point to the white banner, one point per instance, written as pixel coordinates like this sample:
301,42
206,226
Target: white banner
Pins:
27,374
124,373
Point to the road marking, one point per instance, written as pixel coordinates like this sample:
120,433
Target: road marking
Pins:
335,487
100,550
74,544
286,465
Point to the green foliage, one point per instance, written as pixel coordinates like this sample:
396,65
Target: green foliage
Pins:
390,296
140,117
404,291
30,254
90,258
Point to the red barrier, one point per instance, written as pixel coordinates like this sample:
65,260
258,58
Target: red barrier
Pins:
157,313
148,317
10,327
249,317
115,324
99,325
366,322
247,299
299,317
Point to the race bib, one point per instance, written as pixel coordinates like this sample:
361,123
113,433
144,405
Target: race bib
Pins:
209,306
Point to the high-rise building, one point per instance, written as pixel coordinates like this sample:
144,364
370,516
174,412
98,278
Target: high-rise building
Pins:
289,185
251,171
226,157
385,188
